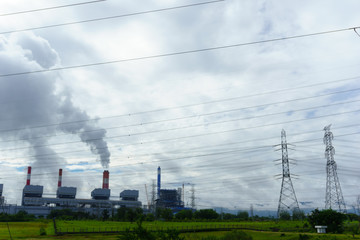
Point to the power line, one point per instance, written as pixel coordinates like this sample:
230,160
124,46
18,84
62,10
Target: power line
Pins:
171,159
172,139
50,8
156,131
176,53
183,127
181,118
210,102
111,17
217,181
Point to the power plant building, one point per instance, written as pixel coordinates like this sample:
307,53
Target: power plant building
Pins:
33,201
168,198
1,196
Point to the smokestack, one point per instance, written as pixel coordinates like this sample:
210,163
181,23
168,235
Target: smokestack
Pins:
60,177
28,176
106,180
159,182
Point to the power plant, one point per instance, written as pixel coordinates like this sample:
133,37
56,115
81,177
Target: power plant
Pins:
34,203
168,198
1,196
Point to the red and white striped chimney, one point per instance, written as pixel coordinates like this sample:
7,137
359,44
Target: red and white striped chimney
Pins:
60,177
106,179
28,176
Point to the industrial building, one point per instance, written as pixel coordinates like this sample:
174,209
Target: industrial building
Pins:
1,196
34,203
168,198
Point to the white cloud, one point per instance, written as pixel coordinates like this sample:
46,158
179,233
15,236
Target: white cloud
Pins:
141,139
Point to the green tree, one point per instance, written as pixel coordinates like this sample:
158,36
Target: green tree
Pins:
243,215
184,214
105,215
228,216
158,212
22,216
130,215
354,229
170,234
298,215
120,214
284,215
167,214
207,214
139,233
149,217
328,217
68,214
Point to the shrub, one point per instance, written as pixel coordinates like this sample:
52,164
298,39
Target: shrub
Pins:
184,214
242,215
298,215
284,215
353,228
207,214
210,238
303,237
139,233
330,218
149,217
42,231
237,235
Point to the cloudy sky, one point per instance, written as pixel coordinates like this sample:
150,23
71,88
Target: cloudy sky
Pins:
128,91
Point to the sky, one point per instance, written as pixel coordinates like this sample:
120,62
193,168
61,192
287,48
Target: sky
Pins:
121,86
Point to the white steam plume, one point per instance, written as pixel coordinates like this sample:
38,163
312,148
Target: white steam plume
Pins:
27,101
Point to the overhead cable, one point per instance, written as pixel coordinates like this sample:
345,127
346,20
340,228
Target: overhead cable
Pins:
180,118
176,53
182,127
111,17
50,8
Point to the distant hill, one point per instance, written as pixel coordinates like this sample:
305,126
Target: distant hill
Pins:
262,213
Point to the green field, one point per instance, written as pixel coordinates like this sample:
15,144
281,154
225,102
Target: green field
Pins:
267,230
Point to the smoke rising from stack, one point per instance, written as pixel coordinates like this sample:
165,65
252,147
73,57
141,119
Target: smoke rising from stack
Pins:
32,100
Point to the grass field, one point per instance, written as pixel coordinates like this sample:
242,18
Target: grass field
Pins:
31,230
296,226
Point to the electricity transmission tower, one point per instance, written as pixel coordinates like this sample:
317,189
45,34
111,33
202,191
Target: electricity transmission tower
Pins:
334,198
287,201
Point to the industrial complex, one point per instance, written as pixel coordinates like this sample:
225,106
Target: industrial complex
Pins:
34,203
168,198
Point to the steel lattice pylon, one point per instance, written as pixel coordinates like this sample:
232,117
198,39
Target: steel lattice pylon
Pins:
288,201
334,198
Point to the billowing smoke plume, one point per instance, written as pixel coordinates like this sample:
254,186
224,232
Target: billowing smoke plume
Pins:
33,100
87,131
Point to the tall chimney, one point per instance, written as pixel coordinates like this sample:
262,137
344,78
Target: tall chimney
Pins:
106,179
60,177
28,176
159,182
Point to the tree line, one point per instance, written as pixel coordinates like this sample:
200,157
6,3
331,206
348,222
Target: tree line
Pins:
332,219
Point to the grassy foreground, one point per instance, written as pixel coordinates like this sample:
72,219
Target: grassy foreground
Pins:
32,230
